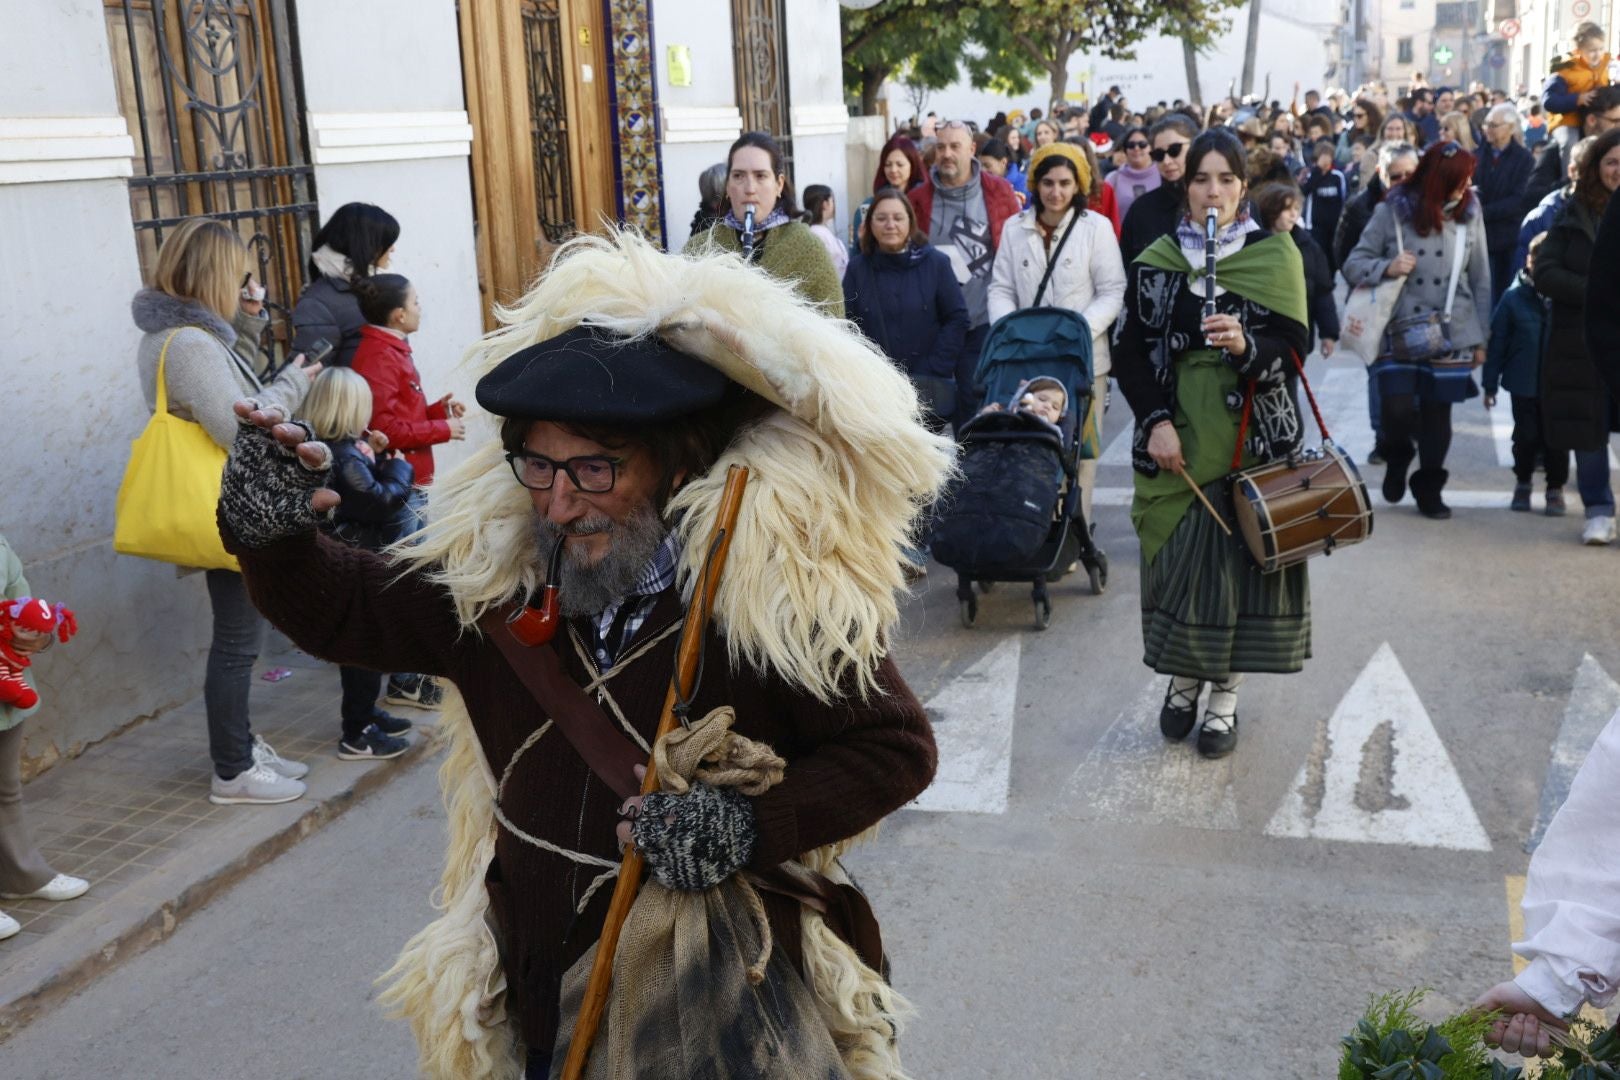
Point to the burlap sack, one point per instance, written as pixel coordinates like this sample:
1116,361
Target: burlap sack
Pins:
698,990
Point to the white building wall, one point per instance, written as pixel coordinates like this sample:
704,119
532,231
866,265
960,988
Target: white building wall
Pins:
387,125
68,268
816,90
698,123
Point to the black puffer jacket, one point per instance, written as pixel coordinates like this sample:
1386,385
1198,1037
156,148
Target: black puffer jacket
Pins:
1353,222
1318,286
1603,301
374,495
328,308
1577,407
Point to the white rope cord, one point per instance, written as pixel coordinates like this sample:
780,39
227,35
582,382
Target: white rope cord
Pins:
611,868
598,683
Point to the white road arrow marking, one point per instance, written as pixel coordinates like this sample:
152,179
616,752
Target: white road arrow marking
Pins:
973,727
1592,701
1379,773
1134,776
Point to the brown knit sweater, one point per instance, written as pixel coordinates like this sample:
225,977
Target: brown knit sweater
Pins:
849,765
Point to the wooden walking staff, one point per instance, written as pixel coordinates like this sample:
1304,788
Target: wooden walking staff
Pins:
687,662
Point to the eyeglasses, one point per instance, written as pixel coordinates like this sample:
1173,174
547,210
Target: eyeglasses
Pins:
592,473
952,125
1136,146
1172,151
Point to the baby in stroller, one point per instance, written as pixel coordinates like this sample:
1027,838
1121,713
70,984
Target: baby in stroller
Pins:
1042,397
1014,515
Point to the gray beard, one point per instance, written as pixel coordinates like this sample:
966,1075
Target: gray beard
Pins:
587,590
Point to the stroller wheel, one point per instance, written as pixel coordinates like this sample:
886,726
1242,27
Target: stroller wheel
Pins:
1043,614
1098,573
970,613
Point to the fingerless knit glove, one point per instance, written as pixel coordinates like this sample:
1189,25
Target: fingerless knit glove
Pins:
264,496
697,840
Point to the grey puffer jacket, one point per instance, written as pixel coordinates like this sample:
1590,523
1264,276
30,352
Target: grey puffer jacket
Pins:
1425,289
205,377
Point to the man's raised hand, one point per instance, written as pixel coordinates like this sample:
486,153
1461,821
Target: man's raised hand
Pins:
274,483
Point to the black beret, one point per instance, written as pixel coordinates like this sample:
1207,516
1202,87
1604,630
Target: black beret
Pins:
592,376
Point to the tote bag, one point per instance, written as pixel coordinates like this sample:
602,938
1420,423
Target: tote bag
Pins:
1368,310
170,490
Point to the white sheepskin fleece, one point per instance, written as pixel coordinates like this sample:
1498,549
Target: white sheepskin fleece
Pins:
838,472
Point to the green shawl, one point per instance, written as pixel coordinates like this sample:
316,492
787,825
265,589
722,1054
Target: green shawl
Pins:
792,254
1270,272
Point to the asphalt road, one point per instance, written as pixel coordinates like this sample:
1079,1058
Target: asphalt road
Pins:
1110,906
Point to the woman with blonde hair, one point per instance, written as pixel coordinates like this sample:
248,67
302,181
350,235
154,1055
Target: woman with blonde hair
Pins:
1046,133
1459,129
186,316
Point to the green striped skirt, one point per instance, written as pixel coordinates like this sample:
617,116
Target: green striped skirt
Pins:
1208,611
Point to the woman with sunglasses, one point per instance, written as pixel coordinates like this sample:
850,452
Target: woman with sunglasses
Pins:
1137,176
1365,118
1208,614
1157,212
1429,231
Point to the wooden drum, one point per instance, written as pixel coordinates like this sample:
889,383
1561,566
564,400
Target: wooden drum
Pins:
1310,504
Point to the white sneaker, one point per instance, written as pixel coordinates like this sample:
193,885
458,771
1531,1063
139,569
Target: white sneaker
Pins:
1599,531
60,887
265,754
9,927
260,784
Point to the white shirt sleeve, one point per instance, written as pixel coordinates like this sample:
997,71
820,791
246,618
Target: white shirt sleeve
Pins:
1572,894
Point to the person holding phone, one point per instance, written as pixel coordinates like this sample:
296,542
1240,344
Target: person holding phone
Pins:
356,241
186,316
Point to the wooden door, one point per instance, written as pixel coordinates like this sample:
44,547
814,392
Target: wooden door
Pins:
536,96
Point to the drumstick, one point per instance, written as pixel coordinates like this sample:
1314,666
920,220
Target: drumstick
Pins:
1198,491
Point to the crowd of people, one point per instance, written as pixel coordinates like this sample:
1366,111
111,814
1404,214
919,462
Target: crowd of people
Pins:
1208,251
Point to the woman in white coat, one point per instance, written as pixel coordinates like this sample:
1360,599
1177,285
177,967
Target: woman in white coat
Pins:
1088,276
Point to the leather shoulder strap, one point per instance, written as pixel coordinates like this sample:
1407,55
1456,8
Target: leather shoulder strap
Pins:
589,730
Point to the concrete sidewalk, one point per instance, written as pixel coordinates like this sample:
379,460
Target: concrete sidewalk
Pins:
132,815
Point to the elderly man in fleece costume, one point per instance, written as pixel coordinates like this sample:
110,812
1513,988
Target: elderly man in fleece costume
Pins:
626,382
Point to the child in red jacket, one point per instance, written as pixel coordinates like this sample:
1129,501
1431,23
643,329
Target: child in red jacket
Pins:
401,411
399,408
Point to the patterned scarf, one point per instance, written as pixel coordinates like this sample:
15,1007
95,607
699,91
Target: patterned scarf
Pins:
769,221
1190,238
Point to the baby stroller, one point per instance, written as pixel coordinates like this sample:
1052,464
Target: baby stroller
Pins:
1014,514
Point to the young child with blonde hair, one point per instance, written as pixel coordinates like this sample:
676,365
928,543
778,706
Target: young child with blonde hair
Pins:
374,483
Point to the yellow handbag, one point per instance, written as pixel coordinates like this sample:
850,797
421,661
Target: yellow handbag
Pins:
170,490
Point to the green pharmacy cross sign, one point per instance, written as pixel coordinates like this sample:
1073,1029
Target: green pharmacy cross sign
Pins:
1443,54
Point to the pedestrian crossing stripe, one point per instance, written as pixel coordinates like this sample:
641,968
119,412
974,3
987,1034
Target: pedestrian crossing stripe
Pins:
972,719
1379,774
1592,701
1134,776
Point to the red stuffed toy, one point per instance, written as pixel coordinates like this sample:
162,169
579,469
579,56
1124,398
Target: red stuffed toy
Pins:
27,622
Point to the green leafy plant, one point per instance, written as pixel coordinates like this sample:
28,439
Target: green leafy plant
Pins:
1390,1042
